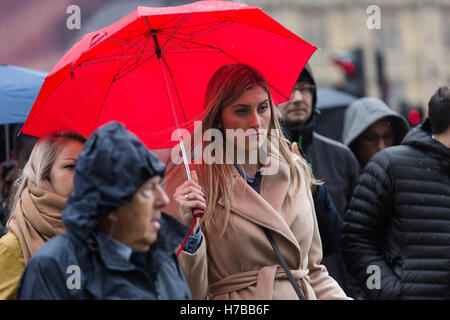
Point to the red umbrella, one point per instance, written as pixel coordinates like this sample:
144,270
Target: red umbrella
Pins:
150,69
119,72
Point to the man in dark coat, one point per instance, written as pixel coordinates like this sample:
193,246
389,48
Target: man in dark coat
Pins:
396,237
331,161
112,248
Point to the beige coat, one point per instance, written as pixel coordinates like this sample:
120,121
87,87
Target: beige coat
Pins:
242,263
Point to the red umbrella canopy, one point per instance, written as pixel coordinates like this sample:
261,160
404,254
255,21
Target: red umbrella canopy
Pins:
114,73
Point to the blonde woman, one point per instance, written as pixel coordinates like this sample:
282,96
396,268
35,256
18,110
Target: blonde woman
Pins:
233,258
43,188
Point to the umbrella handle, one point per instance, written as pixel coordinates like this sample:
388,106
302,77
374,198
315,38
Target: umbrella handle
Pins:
196,213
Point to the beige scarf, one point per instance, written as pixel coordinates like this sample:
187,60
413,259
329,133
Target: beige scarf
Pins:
36,218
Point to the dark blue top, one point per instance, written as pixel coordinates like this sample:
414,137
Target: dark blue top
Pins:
254,182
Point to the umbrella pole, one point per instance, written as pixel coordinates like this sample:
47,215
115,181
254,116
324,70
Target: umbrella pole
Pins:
196,213
180,138
172,105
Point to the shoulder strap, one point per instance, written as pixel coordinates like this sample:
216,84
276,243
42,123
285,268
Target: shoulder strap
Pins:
284,265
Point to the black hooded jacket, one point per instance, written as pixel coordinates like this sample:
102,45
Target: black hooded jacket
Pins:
399,220
110,169
330,160
336,165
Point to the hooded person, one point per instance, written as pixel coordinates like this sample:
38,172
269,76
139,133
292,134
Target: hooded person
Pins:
298,120
118,244
370,126
398,221
331,161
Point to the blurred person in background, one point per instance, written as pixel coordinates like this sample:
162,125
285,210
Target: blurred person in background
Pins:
43,188
370,126
331,162
116,234
10,170
398,221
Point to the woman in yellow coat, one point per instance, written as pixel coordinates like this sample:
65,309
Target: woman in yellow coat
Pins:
234,258
43,188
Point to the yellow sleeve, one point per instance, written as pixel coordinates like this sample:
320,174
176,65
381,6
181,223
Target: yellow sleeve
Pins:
12,265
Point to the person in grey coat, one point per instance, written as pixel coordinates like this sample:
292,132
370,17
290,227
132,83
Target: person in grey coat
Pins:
118,244
370,126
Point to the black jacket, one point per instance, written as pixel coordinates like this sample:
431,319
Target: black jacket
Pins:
335,164
399,220
331,161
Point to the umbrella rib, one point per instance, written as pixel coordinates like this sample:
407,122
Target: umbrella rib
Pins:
148,24
191,48
138,37
126,65
128,44
97,58
145,45
199,35
169,21
117,59
212,50
210,25
132,67
130,48
166,37
173,33
207,24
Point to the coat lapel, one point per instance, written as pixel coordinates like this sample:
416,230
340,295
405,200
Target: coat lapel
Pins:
264,209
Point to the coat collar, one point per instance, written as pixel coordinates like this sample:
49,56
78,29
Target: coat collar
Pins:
114,254
265,209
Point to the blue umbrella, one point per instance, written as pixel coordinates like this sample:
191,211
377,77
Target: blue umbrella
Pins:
19,88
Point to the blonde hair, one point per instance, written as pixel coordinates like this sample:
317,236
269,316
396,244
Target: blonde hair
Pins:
226,85
37,169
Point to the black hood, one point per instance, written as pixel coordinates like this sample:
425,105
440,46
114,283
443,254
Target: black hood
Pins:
421,137
307,76
112,166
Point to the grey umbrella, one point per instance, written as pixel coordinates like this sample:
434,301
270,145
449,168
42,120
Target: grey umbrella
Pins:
332,104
